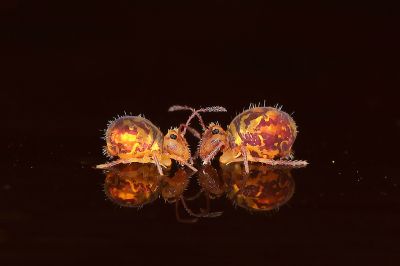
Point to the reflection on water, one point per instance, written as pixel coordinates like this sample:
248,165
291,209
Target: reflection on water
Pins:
135,185
132,185
172,191
264,188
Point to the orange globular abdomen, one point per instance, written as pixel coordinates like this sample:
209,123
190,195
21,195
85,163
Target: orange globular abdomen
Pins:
132,137
266,132
266,188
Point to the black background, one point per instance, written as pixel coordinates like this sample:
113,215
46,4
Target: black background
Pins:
67,67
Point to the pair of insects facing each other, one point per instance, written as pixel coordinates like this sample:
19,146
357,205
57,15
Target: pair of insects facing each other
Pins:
259,134
136,139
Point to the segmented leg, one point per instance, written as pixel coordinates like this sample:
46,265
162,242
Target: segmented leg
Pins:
246,162
280,162
157,163
182,161
214,152
252,159
145,159
246,158
124,161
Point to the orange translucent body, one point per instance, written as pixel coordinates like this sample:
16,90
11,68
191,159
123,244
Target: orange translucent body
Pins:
132,137
132,185
266,132
268,187
136,139
261,134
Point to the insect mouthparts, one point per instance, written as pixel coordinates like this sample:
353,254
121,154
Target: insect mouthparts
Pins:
215,141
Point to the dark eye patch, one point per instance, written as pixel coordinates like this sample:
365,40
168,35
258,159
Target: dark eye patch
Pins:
215,131
173,136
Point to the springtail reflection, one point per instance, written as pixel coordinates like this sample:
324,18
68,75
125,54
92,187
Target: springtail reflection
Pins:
132,185
135,185
264,188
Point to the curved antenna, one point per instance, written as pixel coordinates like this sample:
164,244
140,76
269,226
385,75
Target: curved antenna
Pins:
196,113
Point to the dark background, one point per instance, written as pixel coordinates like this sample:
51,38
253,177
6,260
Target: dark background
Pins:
67,67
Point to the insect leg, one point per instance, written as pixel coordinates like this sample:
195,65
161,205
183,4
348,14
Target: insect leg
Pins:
190,166
182,161
214,152
279,162
157,163
233,155
246,162
124,161
290,163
